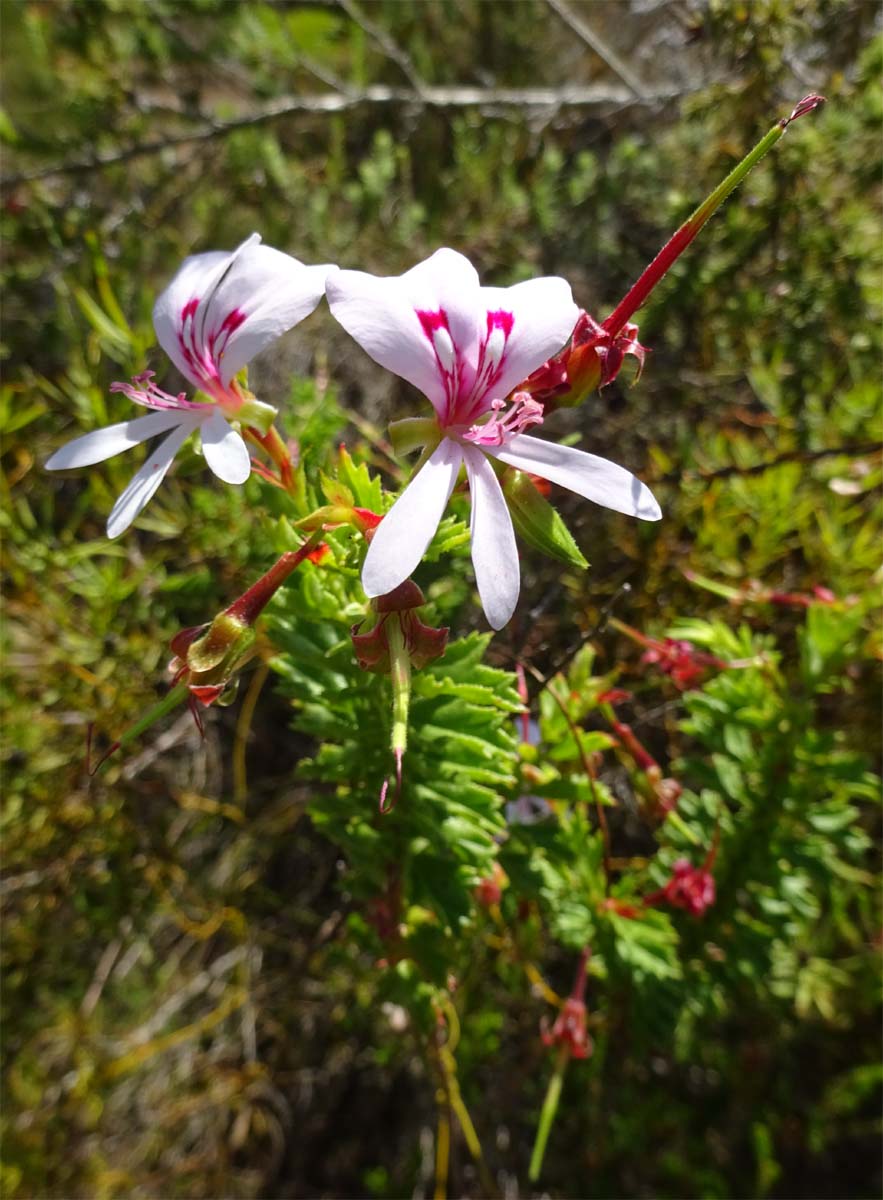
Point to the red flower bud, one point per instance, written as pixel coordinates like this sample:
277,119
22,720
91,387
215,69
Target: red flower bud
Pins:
690,888
570,1029
490,890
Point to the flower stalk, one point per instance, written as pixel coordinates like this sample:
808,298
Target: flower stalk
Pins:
570,1037
677,244
400,678
548,1113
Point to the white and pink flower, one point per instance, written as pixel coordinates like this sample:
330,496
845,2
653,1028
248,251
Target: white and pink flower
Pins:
467,348
220,310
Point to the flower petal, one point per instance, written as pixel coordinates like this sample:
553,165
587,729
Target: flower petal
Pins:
224,450
448,282
401,538
544,315
192,288
147,480
263,295
595,478
494,553
101,444
383,315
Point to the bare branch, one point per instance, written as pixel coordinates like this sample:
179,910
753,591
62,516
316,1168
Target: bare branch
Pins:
589,98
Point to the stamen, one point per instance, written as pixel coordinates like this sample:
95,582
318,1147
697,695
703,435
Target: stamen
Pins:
523,413
142,390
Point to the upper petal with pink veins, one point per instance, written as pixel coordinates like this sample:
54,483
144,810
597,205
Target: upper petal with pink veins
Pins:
222,308
462,345
408,323
264,294
543,315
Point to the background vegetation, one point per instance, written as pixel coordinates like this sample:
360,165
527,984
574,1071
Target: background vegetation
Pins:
203,995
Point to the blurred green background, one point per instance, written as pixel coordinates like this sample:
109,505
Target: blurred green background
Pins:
180,1017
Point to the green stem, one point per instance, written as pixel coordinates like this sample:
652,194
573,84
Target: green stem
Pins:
547,1116
168,702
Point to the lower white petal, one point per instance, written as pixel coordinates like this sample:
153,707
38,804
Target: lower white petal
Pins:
225,451
494,553
95,447
595,478
147,480
401,538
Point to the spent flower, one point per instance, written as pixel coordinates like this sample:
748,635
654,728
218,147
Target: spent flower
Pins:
392,641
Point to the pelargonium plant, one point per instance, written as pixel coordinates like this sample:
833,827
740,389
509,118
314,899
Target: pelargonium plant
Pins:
492,363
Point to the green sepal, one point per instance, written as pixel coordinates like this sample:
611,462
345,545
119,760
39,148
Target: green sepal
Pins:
411,432
538,522
225,644
257,414
335,492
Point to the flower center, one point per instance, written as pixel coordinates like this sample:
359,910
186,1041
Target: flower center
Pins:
504,423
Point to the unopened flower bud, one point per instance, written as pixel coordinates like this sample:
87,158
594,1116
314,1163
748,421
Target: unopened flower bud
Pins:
489,891
423,643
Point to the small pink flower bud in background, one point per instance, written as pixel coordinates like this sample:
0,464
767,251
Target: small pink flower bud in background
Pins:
489,891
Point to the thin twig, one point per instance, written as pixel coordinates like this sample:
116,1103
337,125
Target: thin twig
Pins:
243,729
590,774
390,48
593,40
860,450
102,974
565,659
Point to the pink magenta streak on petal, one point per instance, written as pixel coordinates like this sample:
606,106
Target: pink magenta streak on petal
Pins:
490,367
500,320
199,359
218,338
431,323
